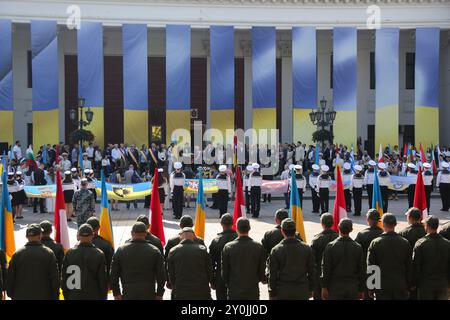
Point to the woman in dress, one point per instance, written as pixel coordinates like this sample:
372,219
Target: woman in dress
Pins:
12,189
20,195
68,187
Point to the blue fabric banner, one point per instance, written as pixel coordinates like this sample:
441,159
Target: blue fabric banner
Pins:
44,48
90,63
264,67
304,67
178,67
6,77
135,82
344,68
222,67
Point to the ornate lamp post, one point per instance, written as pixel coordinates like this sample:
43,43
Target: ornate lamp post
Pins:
78,110
322,117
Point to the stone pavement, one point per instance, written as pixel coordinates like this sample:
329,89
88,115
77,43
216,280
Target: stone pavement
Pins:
122,221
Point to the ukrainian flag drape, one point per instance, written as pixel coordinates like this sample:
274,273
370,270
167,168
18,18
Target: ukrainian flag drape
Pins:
345,84
135,83
44,48
7,243
377,200
106,230
178,80
90,74
6,83
295,209
200,215
264,77
387,86
304,81
222,79
427,85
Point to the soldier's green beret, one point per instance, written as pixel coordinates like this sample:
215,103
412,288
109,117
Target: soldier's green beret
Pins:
186,229
226,219
288,224
373,214
33,230
346,226
46,226
389,219
93,222
144,219
85,230
139,227
186,221
243,224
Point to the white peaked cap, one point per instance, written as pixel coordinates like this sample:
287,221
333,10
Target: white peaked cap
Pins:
297,167
445,165
160,170
249,168
358,167
372,163
74,169
177,165
315,167
66,173
255,165
427,165
411,165
347,166
324,168
222,168
382,165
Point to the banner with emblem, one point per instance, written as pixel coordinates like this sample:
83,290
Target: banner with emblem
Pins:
304,82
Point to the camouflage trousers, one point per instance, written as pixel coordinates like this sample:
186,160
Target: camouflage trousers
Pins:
82,218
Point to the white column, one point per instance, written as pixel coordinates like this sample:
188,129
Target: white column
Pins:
248,99
286,100
61,84
208,92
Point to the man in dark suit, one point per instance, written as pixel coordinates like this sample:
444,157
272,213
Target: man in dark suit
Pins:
38,178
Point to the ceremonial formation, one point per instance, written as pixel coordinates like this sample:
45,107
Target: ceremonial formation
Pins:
224,150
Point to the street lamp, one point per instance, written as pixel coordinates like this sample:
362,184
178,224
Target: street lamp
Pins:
322,117
78,110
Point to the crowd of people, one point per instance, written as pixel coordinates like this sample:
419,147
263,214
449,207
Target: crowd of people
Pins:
412,264
314,170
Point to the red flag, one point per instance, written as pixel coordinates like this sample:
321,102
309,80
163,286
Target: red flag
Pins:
405,150
60,218
422,154
239,202
57,155
156,227
339,210
433,161
420,200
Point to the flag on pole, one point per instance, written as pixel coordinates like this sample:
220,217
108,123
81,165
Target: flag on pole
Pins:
423,157
45,155
60,218
200,216
377,200
239,201
295,210
235,140
404,150
106,230
7,243
433,161
157,227
80,159
3,163
380,154
316,160
420,200
339,210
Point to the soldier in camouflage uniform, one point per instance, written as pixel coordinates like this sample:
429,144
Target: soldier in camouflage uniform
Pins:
215,250
318,245
83,203
431,263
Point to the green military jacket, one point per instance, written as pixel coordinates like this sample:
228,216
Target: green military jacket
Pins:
243,267
106,248
138,266
445,231
413,232
343,265
291,270
172,242
273,237
431,262
190,271
392,254
154,240
215,250
33,274
2,270
57,249
318,244
91,261
365,237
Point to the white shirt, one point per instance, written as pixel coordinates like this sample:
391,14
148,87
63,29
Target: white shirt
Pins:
116,154
90,152
105,162
17,151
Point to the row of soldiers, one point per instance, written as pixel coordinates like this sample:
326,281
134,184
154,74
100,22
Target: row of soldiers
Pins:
412,263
